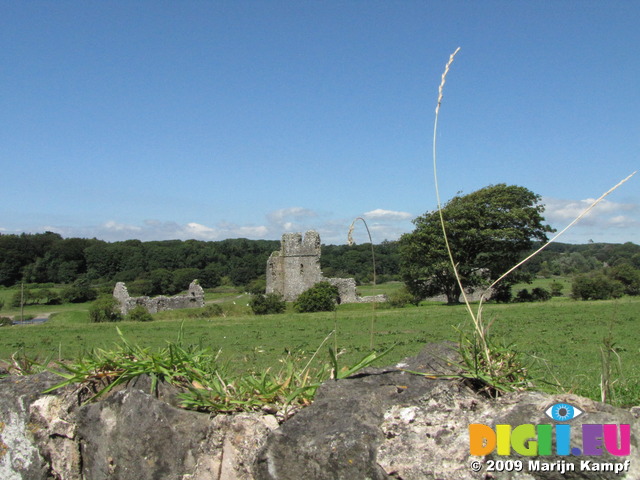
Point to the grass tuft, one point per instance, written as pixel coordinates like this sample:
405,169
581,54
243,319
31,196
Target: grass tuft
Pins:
206,382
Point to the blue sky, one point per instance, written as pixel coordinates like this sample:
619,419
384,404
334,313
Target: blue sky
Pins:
224,119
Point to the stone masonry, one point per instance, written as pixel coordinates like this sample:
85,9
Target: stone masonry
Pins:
193,299
296,268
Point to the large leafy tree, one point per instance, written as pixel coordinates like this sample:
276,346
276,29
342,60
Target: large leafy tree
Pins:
487,230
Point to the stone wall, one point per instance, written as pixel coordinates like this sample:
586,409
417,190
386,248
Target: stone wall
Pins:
296,268
382,424
193,299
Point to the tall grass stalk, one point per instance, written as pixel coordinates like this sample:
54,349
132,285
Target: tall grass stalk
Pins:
351,242
478,327
490,361
609,368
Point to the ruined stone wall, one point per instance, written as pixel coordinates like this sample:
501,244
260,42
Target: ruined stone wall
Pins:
296,268
193,299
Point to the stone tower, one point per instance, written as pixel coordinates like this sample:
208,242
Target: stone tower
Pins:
296,266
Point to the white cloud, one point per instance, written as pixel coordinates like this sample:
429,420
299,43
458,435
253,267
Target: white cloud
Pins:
280,216
387,215
120,227
291,219
557,210
198,230
607,222
231,230
157,230
383,224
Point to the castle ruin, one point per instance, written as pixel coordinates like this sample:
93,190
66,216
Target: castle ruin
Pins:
194,298
296,268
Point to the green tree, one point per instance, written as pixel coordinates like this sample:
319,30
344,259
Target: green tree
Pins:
628,276
183,277
140,287
79,292
322,297
162,282
209,276
487,230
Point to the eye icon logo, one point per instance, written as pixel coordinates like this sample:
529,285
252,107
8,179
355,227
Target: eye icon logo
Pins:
563,412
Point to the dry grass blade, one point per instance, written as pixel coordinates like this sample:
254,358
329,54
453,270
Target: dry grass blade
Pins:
479,329
555,237
350,242
435,175
489,356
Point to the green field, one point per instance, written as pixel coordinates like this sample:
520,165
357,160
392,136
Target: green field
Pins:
565,335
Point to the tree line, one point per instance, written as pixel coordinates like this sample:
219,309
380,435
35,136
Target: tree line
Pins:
167,267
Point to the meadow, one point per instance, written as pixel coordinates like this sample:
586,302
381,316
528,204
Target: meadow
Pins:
563,339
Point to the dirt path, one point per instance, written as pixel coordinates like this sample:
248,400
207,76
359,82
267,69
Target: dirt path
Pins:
16,318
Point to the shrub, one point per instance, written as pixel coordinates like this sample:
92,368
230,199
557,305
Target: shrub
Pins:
257,286
139,314
596,287
208,311
556,289
322,297
401,298
18,297
5,322
540,294
267,304
213,310
502,293
523,296
105,309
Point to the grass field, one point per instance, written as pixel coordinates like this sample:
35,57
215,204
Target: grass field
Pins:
565,335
